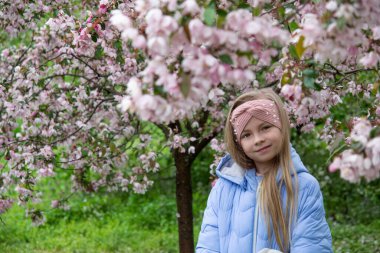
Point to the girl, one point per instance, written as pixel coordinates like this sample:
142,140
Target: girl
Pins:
264,197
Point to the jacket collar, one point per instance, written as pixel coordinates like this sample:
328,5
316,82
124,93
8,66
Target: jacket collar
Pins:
248,179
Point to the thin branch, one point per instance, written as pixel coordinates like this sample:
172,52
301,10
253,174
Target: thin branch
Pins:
88,65
19,60
276,7
68,74
80,128
333,67
203,143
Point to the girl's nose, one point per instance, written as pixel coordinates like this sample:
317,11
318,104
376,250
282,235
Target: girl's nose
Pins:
258,139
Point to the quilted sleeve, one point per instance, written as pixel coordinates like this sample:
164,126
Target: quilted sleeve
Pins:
311,233
208,240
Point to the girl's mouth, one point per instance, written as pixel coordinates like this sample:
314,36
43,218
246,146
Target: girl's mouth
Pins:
263,149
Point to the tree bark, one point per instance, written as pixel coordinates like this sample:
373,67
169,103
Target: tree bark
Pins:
184,191
184,200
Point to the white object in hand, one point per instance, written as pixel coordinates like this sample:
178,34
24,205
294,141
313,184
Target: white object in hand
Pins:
266,250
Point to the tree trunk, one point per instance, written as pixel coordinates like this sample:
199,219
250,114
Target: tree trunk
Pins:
184,200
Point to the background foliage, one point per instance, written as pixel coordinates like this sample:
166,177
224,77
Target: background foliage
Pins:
124,222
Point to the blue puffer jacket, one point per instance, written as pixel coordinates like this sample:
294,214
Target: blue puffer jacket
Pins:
229,219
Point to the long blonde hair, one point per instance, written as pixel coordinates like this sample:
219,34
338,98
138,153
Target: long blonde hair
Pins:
270,194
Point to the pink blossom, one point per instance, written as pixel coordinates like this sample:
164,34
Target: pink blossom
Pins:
361,130
331,5
190,7
5,204
191,150
349,174
369,60
134,87
215,145
103,7
373,152
159,24
265,29
47,152
46,171
311,29
119,20
256,3
350,166
292,92
346,11
55,203
158,46
238,19
335,165
139,42
376,33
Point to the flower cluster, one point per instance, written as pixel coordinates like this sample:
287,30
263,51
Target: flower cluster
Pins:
77,96
341,32
363,158
5,204
185,61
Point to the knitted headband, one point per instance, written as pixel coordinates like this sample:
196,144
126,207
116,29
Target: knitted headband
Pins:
262,109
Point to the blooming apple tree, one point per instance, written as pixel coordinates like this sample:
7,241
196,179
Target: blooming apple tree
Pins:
83,94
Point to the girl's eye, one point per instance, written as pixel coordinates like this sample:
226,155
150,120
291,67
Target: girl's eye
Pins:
245,136
266,127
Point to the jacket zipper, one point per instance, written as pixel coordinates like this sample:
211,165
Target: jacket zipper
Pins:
256,220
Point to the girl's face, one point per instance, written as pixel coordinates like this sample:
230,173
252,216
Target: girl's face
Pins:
261,141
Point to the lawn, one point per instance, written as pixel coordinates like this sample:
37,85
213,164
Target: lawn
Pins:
134,223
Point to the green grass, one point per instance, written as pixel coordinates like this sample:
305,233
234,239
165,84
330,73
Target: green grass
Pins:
122,223
118,227
359,238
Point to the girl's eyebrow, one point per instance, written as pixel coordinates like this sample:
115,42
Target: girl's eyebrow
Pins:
261,125
245,130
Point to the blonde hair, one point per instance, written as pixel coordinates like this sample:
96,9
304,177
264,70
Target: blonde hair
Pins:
270,194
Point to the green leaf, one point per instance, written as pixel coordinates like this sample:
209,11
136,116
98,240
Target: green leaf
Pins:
225,58
336,151
357,146
112,147
293,51
243,5
99,52
341,22
309,82
286,77
94,37
185,85
221,13
159,90
310,73
281,12
119,87
117,44
256,11
119,52
221,18
293,26
374,132
209,14
43,107
40,83
300,49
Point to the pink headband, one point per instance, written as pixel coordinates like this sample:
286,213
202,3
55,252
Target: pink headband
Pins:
262,109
